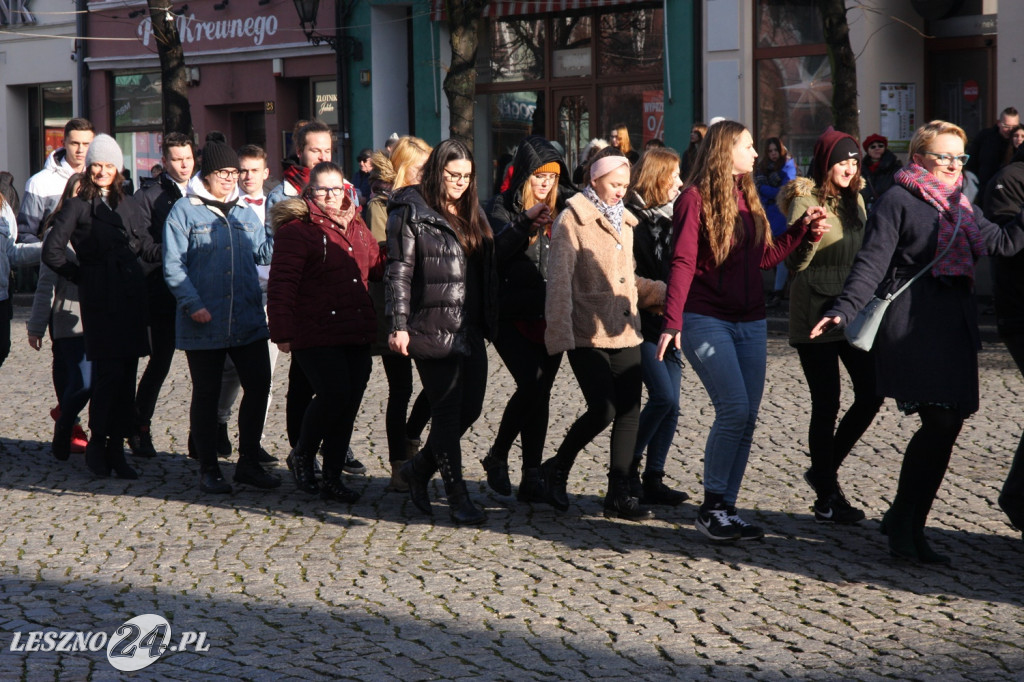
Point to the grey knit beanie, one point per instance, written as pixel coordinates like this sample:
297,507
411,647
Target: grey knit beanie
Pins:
104,149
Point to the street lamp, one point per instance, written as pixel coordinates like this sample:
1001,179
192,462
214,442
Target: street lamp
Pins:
343,46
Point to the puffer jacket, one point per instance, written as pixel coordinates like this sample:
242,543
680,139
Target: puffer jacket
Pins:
318,295
820,268
425,280
42,194
652,250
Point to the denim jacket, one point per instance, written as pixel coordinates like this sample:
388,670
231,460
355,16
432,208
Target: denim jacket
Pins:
11,253
210,262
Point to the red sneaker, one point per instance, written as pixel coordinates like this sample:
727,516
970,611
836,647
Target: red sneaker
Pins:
78,439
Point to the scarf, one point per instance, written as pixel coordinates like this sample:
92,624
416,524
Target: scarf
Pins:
297,175
339,216
951,204
612,213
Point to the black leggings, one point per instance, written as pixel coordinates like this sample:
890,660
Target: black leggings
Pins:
526,413
398,370
1013,488
610,380
338,376
455,387
161,343
927,458
113,389
829,445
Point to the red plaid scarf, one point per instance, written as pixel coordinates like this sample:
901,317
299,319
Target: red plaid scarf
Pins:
969,244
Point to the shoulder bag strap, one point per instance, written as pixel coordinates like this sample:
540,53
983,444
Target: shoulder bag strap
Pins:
956,229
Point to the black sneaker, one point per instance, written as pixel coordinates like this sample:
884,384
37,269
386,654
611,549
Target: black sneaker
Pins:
837,510
748,531
223,441
353,465
654,491
213,482
251,473
716,526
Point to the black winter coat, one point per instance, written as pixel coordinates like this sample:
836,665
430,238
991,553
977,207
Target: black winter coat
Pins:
879,180
426,277
522,266
155,202
927,346
1004,199
111,284
652,251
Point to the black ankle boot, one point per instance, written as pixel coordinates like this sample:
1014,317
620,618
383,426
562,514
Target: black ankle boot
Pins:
96,456
461,509
332,488
417,473
898,524
301,466
555,479
531,487
116,460
656,492
618,503
497,473
924,551
636,487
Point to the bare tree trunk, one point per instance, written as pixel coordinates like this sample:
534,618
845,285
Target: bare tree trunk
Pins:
173,77
845,115
460,83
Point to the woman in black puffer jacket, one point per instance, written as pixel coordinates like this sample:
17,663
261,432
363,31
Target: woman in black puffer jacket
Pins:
521,219
441,297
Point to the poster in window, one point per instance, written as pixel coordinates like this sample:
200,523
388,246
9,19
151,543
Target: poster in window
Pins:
654,115
898,116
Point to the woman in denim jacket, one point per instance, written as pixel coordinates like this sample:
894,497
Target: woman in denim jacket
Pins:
212,244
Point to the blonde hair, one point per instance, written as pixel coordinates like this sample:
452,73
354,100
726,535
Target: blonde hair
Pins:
926,134
406,152
652,174
712,177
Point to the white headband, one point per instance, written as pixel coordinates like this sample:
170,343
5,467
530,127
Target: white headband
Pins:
606,164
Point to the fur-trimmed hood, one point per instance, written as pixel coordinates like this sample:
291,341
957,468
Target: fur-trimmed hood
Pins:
286,211
800,187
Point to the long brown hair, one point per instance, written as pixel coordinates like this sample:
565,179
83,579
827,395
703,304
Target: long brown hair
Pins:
845,196
90,190
765,165
652,173
468,222
71,188
712,177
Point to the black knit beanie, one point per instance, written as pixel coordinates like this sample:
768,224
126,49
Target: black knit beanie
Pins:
846,148
217,156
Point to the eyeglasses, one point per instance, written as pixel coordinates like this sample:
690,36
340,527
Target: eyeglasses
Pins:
226,174
948,159
457,178
545,177
332,191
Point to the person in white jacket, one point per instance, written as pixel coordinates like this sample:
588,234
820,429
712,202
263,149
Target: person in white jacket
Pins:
43,190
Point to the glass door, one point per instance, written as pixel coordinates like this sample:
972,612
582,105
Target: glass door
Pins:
572,122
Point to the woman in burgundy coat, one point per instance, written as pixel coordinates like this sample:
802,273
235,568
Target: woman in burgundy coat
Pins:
320,310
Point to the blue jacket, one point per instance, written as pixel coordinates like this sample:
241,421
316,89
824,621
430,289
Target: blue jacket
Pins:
210,262
11,253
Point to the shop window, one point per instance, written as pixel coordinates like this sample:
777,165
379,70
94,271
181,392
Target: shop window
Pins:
627,104
137,100
794,78
516,51
631,42
573,47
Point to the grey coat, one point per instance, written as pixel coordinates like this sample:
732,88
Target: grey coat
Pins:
927,346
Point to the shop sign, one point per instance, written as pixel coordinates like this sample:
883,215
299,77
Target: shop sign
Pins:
574,62
517,107
192,30
971,91
654,115
14,12
325,101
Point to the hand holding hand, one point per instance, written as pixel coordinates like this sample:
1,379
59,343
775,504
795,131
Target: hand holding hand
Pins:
814,220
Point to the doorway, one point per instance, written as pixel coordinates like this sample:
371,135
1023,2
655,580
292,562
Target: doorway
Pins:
960,82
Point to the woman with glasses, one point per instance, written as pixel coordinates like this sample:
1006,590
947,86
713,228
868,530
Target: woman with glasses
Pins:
441,293
212,244
320,311
926,350
878,170
521,219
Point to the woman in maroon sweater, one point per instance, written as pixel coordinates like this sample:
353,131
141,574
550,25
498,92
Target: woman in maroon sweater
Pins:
714,309
320,310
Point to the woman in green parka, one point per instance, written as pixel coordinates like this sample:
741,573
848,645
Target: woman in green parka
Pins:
820,268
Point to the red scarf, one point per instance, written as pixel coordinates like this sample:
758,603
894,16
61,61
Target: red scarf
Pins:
298,176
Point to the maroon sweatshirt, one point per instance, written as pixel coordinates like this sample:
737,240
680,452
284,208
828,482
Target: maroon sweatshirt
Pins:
731,291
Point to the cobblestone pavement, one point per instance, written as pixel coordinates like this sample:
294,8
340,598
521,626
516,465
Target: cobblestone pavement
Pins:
287,587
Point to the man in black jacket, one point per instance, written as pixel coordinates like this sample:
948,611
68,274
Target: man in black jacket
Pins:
156,202
1004,199
988,150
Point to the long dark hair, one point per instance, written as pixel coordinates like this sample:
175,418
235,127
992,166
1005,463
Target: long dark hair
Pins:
766,166
467,221
90,190
70,190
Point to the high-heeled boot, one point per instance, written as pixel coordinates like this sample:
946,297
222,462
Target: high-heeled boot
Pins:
417,473
116,460
96,456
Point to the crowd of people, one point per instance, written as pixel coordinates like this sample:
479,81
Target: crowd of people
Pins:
628,266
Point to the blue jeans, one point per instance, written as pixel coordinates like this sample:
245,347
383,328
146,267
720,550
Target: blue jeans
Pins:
729,358
660,415
75,372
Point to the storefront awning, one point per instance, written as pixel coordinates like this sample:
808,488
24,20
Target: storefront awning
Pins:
507,8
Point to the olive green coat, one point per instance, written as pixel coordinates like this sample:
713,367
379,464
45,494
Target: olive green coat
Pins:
820,268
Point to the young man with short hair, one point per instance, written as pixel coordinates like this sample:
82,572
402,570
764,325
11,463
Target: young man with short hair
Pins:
43,190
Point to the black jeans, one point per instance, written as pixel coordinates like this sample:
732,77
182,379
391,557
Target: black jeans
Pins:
110,406
161,343
398,370
1012,494
6,315
455,388
526,413
611,380
338,376
828,444
206,367
299,395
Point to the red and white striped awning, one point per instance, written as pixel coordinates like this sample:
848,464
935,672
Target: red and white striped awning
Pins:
505,8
